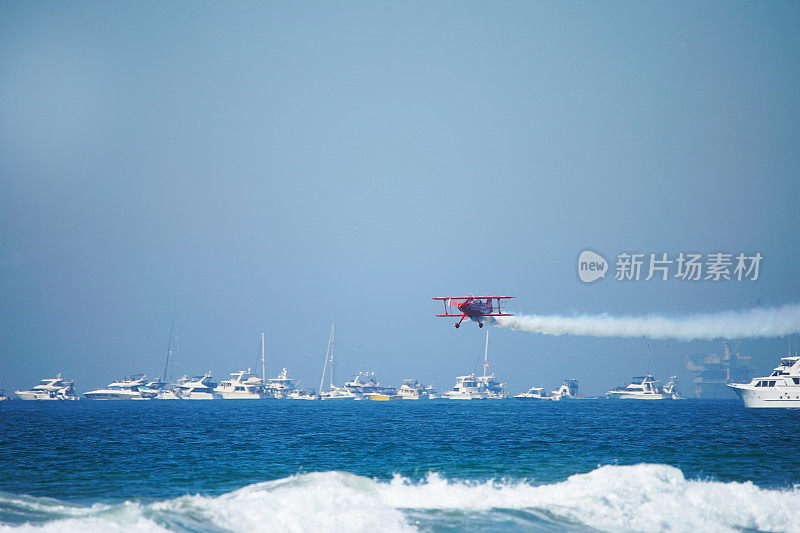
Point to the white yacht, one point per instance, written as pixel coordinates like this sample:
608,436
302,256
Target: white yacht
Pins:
281,386
432,393
365,386
494,389
338,393
50,389
466,388
411,389
780,389
644,388
133,388
161,389
243,386
197,388
298,394
485,387
537,393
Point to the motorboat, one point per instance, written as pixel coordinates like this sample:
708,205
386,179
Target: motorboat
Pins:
243,385
644,388
780,389
412,389
281,386
494,389
466,388
50,389
133,388
364,384
197,388
338,393
537,393
161,389
298,394
472,387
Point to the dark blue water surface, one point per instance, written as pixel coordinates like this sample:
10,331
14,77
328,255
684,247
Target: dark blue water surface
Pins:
112,451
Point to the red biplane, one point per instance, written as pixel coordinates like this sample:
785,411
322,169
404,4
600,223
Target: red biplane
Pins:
473,307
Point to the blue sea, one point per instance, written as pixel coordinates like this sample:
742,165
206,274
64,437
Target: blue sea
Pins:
436,466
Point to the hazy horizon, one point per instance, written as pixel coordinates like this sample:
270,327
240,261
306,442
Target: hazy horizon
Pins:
277,166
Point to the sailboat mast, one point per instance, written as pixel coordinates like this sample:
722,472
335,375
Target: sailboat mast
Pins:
325,361
333,342
486,354
263,361
169,346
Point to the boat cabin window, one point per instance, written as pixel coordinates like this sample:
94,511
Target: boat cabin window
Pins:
796,381
771,384
638,380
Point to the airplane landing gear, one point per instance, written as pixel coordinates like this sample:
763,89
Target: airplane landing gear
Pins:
458,326
480,324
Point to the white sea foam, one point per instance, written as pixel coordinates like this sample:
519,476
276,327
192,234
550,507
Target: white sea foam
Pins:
610,498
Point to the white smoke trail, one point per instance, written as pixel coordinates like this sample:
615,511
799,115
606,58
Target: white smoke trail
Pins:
752,323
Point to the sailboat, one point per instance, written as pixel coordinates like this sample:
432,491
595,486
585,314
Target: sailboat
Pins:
162,388
333,392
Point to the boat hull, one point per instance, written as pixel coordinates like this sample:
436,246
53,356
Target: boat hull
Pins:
41,396
767,397
628,396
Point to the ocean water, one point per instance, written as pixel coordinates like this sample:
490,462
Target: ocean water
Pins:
398,466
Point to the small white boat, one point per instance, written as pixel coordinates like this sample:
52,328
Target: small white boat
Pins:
281,386
537,393
337,393
780,389
133,388
466,388
50,389
298,394
243,386
471,387
644,388
197,388
569,391
365,386
411,389
494,389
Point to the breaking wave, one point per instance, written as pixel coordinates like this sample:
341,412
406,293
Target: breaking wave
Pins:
610,498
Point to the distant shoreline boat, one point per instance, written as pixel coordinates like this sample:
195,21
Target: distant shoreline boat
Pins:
132,388
412,389
644,388
243,386
197,388
50,389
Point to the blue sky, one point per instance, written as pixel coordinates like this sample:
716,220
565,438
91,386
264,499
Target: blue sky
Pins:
274,166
